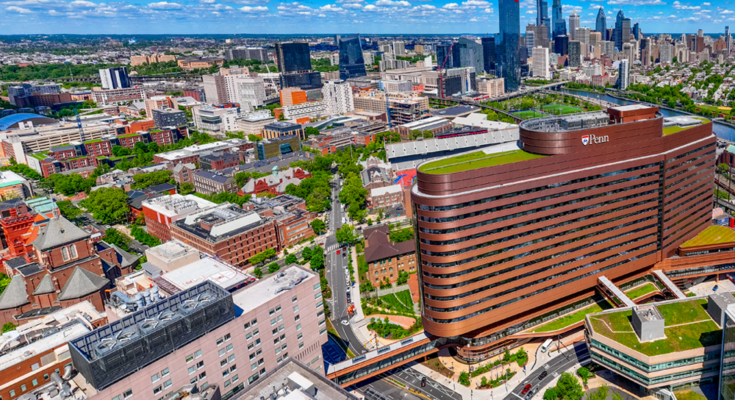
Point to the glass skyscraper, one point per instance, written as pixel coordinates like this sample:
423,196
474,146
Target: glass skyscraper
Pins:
488,54
293,57
601,25
557,19
542,15
351,62
470,54
507,44
442,54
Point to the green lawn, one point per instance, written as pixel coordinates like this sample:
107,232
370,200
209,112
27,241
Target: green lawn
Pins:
688,395
396,305
672,129
569,319
405,297
560,109
641,291
529,114
476,160
678,338
712,235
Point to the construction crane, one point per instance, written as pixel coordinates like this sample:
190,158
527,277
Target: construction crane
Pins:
79,125
440,90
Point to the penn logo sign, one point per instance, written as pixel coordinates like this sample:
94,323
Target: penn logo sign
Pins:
587,139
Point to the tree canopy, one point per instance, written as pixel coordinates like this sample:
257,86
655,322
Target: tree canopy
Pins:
107,205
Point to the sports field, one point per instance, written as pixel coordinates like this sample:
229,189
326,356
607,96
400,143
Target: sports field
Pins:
560,109
529,114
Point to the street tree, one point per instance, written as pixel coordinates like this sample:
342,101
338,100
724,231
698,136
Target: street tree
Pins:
107,205
346,235
318,226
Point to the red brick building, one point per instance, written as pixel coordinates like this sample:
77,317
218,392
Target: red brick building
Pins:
98,147
275,183
229,232
219,161
160,212
182,173
137,126
129,140
293,221
63,269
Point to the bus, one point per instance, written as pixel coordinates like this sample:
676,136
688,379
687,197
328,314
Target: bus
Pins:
546,345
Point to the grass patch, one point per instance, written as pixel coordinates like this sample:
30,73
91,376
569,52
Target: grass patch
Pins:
394,304
569,319
341,343
560,109
476,160
617,326
712,235
641,291
405,297
673,129
689,395
529,114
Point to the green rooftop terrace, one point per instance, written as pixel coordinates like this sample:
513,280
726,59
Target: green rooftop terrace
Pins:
39,156
714,234
673,129
687,327
476,160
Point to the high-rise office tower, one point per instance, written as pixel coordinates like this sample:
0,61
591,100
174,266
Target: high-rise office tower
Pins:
470,54
508,46
627,29
582,35
637,31
629,52
542,15
624,74
541,63
557,19
488,54
336,39
351,61
728,39
595,37
444,56
115,78
610,35
700,33
620,35
293,57
537,36
530,35
561,45
575,53
573,25
601,23
666,54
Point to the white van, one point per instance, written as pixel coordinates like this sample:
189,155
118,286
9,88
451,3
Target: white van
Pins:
546,345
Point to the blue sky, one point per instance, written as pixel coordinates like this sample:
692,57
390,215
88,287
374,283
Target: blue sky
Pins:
334,16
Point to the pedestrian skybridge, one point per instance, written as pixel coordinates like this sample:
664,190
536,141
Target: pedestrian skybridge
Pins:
375,362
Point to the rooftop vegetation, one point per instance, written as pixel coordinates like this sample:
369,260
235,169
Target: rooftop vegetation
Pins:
714,234
476,160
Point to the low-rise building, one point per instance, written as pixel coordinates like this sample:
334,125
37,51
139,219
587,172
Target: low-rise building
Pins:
117,96
227,231
217,120
219,161
254,122
386,258
269,148
160,212
386,196
208,182
189,64
190,154
283,128
167,117
293,221
375,174
276,182
182,173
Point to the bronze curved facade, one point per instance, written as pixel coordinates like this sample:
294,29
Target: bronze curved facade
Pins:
500,245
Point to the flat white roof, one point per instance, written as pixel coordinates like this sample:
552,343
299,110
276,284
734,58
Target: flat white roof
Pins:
631,107
383,190
206,269
176,204
264,290
423,122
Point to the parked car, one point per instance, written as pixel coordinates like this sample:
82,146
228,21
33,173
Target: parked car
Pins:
530,394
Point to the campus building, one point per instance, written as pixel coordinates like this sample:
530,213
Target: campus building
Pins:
511,232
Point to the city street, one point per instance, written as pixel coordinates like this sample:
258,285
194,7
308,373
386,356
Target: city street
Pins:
569,356
336,273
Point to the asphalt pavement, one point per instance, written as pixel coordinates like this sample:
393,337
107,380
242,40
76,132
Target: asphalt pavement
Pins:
336,265
569,356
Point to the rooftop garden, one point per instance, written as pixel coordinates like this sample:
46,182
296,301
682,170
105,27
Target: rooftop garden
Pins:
40,156
128,135
572,318
93,141
476,160
687,327
714,234
673,129
641,291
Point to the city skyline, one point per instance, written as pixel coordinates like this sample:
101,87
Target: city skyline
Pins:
338,16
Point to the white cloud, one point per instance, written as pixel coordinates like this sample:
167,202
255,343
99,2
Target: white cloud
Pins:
451,6
726,12
253,10
530,12
568,9
370,7
473,20
488,11
248,2
83,4
164,5
206,1
637,2
331,8
424,7
706,4
680,6
391,3
476,3
19,10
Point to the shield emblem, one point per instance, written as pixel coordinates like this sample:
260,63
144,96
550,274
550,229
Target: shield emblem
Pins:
585,139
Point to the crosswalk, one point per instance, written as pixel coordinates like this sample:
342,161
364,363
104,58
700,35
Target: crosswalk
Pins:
333,247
